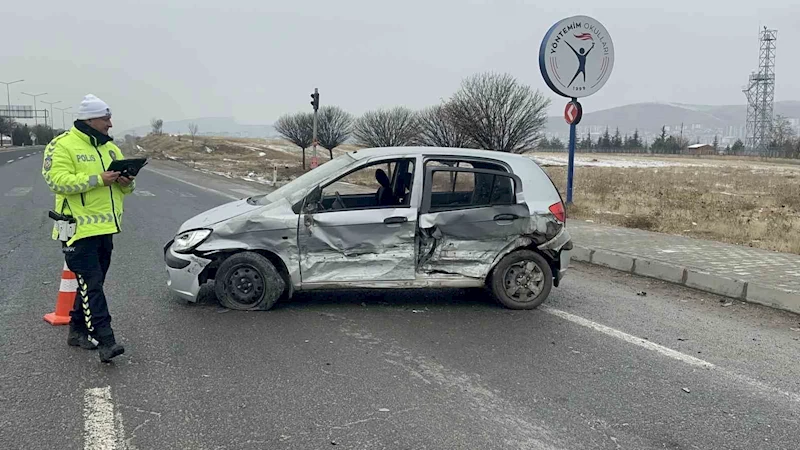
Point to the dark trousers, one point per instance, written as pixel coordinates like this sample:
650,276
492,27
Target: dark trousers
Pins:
89,258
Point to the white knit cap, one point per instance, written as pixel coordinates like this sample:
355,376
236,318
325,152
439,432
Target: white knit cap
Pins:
92,108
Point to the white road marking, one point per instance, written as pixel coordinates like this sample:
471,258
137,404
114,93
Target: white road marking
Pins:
18,191
9,161
99,429
20,157
674,354
187,194
141,193
232,197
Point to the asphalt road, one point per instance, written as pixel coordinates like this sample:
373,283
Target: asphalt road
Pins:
14,154
597,367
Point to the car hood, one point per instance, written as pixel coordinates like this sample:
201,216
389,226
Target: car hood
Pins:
208,219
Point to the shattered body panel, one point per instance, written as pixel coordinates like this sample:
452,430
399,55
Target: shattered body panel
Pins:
465,242
471,242
271,228
350,246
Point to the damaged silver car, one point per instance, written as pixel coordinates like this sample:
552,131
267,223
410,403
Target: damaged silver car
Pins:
394,218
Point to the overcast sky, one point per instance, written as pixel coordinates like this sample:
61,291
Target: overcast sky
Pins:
257,59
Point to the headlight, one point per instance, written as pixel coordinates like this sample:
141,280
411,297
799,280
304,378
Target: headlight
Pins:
187,241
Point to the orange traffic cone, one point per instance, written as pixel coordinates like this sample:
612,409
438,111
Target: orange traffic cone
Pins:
65,300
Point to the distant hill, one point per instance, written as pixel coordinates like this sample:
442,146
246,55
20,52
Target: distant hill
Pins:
650,117
216,126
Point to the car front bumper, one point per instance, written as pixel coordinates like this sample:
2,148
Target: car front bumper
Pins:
184,273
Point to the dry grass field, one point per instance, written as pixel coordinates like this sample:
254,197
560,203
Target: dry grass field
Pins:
746,202
757,206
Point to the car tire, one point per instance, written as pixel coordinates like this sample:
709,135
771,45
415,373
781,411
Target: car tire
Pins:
512,277
247,281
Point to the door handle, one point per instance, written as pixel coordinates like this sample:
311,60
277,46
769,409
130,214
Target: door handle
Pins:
395,220
506,217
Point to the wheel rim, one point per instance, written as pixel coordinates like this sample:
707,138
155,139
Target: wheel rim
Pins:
523,281
245,285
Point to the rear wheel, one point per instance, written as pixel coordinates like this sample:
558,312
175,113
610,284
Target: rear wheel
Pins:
247,281
522,280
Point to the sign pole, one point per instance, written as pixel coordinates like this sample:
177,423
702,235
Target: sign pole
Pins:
315,104
572,114
571,167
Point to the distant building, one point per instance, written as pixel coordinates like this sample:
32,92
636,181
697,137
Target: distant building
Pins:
700,149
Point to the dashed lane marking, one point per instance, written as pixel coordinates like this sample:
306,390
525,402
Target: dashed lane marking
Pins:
100,429
144,193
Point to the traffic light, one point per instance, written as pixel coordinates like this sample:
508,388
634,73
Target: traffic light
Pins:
315,100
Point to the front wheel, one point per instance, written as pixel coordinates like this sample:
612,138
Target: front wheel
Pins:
522,280
247,281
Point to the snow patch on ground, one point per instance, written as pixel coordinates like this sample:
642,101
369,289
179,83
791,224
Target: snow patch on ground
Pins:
618,163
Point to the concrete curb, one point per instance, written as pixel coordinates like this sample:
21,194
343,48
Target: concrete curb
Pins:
691,278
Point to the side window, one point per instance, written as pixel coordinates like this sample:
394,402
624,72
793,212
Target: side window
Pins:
467,189
378,185
462,164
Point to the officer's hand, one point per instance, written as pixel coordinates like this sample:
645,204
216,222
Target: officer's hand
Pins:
125,181
109,177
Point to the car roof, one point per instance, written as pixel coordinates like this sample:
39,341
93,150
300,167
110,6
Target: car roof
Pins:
509,158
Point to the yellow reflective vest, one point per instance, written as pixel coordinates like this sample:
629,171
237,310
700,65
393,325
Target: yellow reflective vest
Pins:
73,163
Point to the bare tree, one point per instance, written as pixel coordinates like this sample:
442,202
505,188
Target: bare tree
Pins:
437,129
334,126
157,125
394,127
193,131
297,129
499,113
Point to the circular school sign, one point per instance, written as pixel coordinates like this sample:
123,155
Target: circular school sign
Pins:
576,57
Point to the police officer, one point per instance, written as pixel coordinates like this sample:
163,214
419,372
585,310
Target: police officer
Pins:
75,169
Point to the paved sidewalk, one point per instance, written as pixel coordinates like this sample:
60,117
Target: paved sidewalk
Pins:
747,271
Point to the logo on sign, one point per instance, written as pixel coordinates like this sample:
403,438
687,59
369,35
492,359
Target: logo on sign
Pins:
576,57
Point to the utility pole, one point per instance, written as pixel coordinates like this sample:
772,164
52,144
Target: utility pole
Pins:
8,93
35,110
63,125
52,120
315,104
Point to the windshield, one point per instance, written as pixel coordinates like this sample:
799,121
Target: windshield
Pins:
295,190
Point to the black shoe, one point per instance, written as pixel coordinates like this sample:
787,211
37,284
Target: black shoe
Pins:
80,338
108,345
108,352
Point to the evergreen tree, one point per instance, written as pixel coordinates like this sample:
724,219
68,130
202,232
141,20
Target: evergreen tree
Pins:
586,143
617,143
